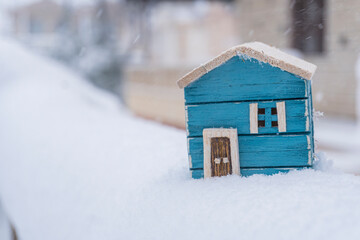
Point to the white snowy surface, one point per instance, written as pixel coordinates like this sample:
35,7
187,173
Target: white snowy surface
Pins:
75,165
5,230
340,138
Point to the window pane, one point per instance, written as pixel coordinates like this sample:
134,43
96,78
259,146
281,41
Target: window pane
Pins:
273,111
261,111
261,123
274,123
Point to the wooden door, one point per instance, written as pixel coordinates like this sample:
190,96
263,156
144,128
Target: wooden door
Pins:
220,156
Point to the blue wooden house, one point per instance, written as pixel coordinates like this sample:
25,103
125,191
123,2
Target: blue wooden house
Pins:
249,111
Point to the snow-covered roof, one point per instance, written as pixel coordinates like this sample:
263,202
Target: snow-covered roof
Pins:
259,51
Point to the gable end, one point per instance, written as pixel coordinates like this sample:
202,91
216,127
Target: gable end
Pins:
256,50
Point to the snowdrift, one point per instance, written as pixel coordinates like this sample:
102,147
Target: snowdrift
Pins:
76,165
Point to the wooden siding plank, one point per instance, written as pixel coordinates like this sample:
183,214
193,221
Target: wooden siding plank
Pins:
264,159
246,172
249,79
262,151
237,115
275,158
261,143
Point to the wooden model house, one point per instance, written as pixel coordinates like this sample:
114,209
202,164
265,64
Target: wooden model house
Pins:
249,111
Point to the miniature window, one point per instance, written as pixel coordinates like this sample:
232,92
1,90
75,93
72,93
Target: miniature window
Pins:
267,117
270,117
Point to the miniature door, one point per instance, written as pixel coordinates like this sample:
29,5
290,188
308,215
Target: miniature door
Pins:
221,152
220,156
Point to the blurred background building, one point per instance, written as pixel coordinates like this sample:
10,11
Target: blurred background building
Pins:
325,32
138,49
95,38
183,35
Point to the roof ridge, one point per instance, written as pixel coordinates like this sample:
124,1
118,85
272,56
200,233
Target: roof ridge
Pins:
259,51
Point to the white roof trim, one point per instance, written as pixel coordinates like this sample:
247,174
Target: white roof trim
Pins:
259,51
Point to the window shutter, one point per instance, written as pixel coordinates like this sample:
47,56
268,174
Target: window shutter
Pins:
281,114
253,118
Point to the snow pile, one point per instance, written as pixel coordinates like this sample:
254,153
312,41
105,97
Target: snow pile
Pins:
75,165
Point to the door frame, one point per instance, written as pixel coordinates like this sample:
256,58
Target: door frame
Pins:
230,133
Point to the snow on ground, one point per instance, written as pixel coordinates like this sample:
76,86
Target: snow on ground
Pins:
340,139
75,165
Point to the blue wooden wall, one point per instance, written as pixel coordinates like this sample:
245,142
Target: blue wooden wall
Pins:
236,115
243,80
221,98
246,172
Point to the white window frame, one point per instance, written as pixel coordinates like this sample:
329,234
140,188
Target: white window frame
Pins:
281,115
254,118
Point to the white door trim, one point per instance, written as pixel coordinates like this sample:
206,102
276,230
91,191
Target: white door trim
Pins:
231,133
